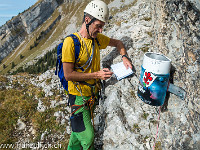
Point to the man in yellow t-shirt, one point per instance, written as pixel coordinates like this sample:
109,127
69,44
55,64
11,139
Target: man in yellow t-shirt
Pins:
87,69
68,56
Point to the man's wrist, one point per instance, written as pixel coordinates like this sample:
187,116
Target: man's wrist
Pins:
125,56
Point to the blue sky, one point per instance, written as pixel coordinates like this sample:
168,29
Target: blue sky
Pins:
10,8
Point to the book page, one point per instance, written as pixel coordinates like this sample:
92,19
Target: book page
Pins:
120,70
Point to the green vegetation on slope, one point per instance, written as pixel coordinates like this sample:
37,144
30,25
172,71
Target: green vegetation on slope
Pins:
21,102
43,64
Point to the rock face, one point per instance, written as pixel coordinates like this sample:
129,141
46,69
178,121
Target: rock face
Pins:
14,31
171,28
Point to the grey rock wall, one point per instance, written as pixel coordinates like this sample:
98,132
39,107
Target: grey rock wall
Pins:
178,37
126,122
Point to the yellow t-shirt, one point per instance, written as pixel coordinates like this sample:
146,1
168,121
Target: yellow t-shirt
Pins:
68,55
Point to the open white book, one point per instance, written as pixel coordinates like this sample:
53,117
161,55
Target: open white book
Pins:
120,70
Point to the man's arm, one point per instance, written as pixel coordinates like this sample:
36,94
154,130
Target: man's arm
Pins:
71,75
120,47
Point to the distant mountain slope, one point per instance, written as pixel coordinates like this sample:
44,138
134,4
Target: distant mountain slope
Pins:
21,32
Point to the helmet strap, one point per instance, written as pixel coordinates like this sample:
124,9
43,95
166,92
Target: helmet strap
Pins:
88,24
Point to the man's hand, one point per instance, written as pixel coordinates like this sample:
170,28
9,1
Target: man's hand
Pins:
127,63
120,47
104,74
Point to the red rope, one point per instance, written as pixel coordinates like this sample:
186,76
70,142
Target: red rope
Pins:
157,128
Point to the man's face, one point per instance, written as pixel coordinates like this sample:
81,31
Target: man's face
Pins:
95,28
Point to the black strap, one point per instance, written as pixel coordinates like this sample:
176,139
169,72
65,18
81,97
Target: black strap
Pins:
87,25
98,42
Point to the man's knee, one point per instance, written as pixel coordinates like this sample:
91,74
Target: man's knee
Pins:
87,143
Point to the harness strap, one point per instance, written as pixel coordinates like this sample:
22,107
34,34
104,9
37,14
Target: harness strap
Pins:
75,108
90,103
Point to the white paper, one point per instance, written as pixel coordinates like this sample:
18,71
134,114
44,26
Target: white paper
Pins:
120,70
